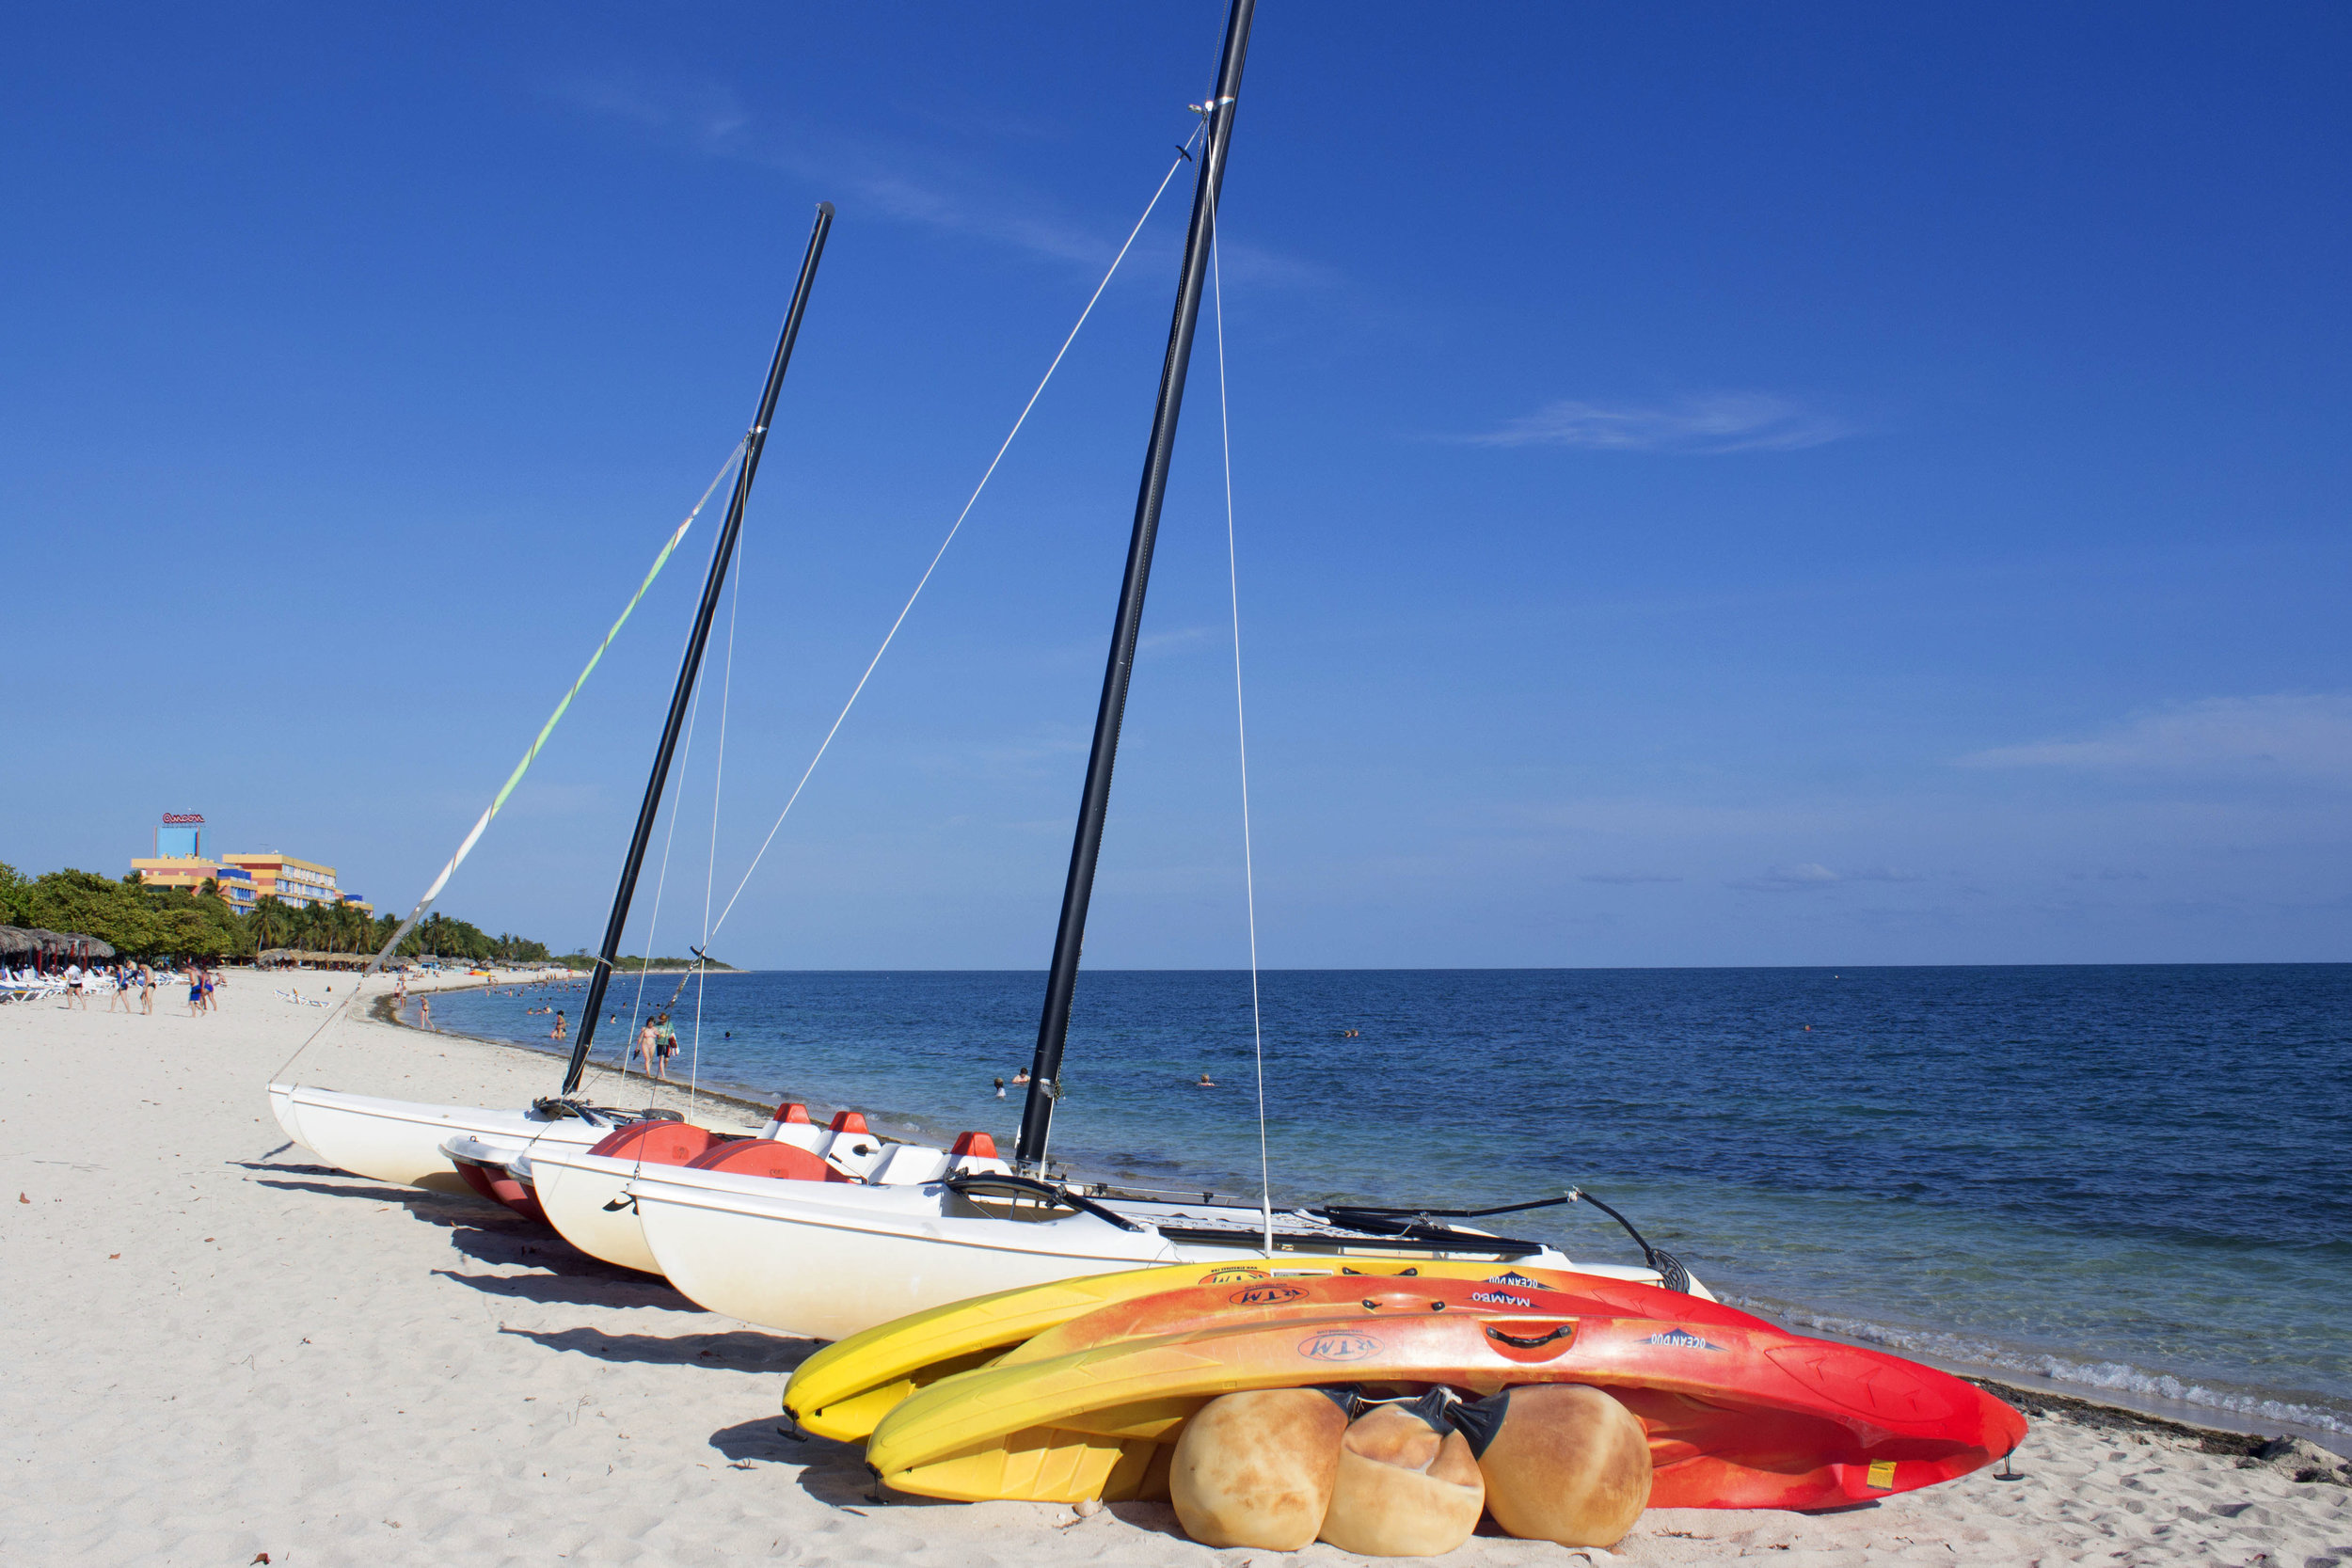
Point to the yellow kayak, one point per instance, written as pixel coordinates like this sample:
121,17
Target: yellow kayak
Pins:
844,1390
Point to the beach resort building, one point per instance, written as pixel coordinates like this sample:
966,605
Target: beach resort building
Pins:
301,883
233,882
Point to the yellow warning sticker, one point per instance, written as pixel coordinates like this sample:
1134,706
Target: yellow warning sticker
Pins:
1883,1474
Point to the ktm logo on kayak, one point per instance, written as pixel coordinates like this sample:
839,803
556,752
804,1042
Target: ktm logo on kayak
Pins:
1681,1339
1232,1274
1264,1295
1338,1344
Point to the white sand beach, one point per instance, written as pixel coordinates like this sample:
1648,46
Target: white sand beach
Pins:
218,1350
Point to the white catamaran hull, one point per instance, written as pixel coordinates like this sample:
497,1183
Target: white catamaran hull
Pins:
827,1260
400,1140
585,1198
843,1258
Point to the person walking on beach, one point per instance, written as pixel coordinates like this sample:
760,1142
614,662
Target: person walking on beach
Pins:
557,1033
147,992
118,990
209,1006
645,1041
196,992
73,997
665,1044
425,1012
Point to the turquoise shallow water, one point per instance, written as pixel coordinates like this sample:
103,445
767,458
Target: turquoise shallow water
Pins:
2128,1178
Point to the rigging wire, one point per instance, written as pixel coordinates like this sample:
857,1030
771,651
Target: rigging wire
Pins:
711,871
1241,728
465,848
661,877
1184,157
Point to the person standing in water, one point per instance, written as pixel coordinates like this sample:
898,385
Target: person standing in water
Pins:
425,1012
557,1033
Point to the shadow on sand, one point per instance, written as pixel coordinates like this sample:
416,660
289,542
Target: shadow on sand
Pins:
738,1351
560,1285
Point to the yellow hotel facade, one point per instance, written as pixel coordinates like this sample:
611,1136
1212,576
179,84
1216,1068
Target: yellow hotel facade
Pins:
243,880
301,883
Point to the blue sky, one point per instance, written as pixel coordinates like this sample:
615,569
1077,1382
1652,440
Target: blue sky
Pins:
1842,485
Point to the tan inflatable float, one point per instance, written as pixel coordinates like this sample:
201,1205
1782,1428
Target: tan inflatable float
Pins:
1255,1470
1562,1462
1407,1484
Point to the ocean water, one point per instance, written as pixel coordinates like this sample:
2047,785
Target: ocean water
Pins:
2129,1179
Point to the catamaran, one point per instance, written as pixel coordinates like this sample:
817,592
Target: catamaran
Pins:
812,1253
827,1230
460,1147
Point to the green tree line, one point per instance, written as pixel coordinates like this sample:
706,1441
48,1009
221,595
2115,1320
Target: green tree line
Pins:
144,920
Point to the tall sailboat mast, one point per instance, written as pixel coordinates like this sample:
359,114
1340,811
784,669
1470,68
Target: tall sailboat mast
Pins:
1036,1116
720,555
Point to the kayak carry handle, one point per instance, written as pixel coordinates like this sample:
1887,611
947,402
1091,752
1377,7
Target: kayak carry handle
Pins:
1536,1342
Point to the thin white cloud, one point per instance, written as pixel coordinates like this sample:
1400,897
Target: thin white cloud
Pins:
1714,424
926,186
2306,737
1809,875
1625,879
1181,636
1789,878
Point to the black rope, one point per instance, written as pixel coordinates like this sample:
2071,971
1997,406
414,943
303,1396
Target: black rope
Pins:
1671,1274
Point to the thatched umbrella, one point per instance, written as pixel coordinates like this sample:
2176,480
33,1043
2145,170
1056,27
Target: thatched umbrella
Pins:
68,943
15,940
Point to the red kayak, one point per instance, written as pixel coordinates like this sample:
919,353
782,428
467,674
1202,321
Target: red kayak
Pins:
1739,1414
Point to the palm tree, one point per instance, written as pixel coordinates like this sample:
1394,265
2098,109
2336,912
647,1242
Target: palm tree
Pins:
272,922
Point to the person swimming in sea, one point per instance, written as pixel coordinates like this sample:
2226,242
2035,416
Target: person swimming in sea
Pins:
1204,1083
1019,1076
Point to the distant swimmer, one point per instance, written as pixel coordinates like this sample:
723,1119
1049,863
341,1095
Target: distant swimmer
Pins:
1205,1082
1000,1089
1020,1077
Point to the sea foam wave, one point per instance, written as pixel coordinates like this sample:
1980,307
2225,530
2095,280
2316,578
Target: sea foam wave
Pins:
2115,1377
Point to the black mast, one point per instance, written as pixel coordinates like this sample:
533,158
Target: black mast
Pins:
1036,1116
692,666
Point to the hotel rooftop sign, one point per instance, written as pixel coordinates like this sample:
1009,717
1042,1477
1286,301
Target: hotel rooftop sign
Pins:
175,817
